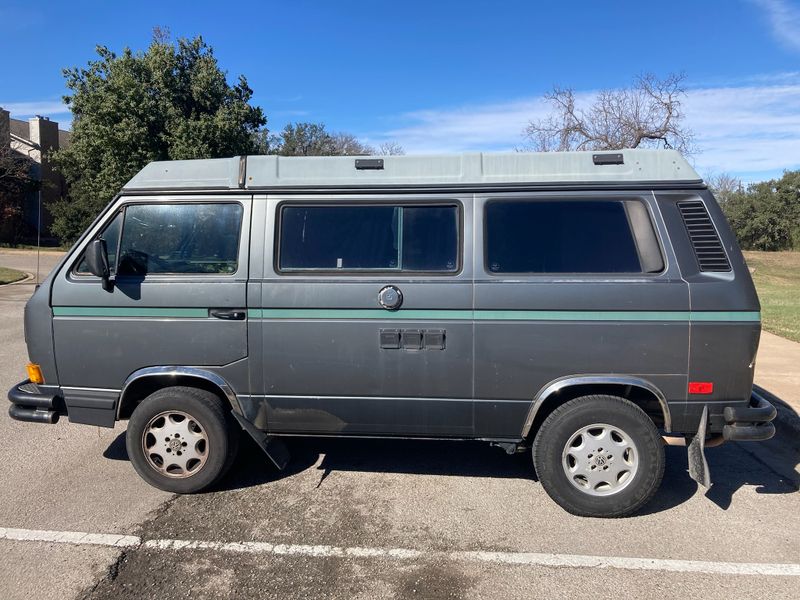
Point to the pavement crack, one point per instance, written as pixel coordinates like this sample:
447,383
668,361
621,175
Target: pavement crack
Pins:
325,474
111,574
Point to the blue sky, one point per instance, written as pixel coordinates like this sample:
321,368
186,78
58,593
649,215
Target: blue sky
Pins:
450,76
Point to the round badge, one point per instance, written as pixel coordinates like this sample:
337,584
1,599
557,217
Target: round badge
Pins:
390,298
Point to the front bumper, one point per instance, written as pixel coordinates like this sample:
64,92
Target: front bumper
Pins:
31,403
752,423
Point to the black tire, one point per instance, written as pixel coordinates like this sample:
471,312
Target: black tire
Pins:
220,438
560,427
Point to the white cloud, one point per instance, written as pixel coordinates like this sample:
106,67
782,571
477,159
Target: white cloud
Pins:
784,20
43,107
486,127
747,129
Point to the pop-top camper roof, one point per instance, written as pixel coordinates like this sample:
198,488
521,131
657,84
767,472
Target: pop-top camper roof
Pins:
441,170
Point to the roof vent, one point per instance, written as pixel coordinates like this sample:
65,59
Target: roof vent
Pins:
705,240
369,164
608,159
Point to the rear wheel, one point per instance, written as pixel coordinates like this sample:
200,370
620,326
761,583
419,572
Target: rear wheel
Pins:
180,439
599,456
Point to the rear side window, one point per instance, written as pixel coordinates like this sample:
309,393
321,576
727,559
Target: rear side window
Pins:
568,236
364,238
180,238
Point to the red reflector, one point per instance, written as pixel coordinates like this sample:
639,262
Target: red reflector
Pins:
701,387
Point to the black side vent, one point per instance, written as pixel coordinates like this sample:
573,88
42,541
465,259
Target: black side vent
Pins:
705,241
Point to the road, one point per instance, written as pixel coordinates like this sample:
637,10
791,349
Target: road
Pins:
376,519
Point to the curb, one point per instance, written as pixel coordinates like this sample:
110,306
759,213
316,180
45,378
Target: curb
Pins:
26,251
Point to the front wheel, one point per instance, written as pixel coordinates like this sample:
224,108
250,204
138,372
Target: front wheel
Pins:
599,456
180,439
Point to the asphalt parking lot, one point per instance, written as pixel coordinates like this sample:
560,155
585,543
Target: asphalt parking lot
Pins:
375,519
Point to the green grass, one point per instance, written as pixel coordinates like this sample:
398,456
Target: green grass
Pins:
5,246
777,279
10,275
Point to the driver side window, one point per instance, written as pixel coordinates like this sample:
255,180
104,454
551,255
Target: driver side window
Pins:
111,235
181,238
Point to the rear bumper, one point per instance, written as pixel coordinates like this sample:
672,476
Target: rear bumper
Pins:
751,423
32,404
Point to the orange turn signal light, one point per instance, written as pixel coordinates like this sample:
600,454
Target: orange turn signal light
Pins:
35,373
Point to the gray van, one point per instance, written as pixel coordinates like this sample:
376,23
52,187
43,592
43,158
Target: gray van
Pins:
580,305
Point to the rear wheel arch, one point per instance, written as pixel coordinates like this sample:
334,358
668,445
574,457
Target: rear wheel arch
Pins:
140,384
639,391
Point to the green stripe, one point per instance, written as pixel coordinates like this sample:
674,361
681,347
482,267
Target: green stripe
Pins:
113,311
580,315
350,313
419,315
502,315
735,315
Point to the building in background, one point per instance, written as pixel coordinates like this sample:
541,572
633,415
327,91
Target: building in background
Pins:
37,138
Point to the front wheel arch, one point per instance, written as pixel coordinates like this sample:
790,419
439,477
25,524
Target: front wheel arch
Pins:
140,384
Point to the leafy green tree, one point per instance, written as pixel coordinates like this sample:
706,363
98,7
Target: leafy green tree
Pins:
788,191
305,139
766,215
171,101
313,139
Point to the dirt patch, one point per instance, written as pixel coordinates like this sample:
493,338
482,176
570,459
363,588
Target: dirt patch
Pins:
207,575
433,581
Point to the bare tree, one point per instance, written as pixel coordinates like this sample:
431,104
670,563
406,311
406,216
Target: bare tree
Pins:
391,148
15,180
724,186
346,144
15,172
647,114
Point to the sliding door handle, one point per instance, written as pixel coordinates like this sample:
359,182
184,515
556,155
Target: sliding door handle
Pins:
229,314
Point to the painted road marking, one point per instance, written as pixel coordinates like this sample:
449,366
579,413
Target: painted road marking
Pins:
70,537
530,559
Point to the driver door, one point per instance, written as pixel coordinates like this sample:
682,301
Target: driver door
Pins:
180,271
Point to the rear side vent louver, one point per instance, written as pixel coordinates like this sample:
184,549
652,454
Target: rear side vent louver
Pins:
705,241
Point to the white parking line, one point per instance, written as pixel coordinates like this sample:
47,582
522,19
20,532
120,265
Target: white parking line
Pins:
70,537
325,551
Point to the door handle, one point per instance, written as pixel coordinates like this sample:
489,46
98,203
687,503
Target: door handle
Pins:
229,314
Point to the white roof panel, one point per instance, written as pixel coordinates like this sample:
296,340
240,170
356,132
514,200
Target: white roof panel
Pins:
264,172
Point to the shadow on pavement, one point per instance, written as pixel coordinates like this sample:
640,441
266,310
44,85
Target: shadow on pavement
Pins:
418,457
326,455
770,466
116,450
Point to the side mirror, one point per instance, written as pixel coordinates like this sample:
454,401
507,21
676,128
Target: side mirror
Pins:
97,261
